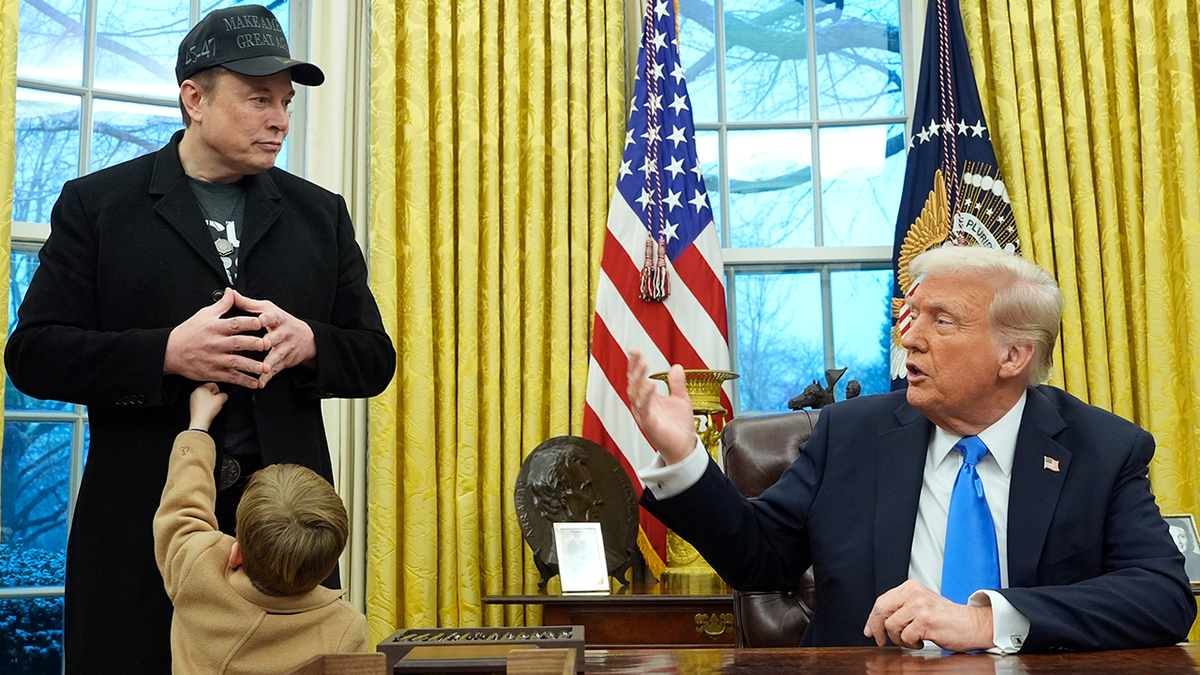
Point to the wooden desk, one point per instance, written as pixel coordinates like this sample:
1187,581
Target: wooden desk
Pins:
640,615
888,661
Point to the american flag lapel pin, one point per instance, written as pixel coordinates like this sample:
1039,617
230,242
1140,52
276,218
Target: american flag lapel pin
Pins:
1050,464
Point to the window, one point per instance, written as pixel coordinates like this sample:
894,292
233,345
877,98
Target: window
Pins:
800,112
95,87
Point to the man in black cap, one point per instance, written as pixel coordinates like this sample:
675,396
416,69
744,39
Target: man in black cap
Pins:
199,263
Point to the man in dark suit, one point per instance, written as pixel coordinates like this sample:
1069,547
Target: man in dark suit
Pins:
200,263
1083,560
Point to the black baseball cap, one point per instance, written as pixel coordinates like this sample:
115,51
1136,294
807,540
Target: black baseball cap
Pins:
246,39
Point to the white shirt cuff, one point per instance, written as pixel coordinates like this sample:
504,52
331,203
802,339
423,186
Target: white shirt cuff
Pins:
665,481
1009,626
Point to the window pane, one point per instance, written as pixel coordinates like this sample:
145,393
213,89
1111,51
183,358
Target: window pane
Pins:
862,328
281,158
766,60
47,151
862,174
22,265
50,41
136,45
122,131
858,59
707,155
697,57
770,188
31,633
780,344
34,479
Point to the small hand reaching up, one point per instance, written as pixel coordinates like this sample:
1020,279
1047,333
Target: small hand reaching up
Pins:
206,402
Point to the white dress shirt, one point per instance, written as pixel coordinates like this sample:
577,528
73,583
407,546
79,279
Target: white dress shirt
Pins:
1010,627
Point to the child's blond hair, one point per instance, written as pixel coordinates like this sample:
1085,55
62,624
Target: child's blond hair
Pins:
291,527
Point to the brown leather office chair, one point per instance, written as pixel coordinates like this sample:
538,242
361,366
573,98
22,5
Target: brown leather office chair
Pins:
755,452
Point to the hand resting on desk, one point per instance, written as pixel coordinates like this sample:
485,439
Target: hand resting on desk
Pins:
911,613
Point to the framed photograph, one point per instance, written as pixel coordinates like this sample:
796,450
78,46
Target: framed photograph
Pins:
1183,532
581,565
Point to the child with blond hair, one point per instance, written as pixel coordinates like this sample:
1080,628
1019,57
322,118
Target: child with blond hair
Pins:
251,604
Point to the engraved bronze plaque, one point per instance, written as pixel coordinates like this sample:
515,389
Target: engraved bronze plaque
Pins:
571,479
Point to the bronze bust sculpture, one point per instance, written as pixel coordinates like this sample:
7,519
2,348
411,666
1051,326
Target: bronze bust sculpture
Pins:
572,479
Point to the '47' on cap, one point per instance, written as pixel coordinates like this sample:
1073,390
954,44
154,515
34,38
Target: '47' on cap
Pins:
246,39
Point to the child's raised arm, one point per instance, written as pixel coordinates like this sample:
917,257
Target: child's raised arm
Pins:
206,402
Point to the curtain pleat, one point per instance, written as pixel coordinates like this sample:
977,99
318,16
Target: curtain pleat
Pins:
1093,105
496,131
9,13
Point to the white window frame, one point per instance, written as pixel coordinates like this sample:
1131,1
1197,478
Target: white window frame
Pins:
825,260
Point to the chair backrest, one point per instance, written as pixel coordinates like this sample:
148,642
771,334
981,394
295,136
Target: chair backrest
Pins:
755,451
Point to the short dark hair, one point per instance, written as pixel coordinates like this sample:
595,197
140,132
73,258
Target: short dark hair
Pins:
206,82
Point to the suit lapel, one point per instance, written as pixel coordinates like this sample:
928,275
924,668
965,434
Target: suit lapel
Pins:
1033,487
179,206
262,210
900,472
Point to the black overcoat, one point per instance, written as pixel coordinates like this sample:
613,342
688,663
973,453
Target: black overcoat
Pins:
130,257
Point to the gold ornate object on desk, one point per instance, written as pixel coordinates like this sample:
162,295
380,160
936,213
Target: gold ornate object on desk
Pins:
686,571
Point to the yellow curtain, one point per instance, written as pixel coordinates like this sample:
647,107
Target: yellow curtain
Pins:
496,131
9,13
1093,105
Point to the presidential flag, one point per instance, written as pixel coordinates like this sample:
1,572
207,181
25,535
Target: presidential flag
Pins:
952,184
661,286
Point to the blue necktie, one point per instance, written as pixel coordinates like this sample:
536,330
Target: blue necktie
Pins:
972,559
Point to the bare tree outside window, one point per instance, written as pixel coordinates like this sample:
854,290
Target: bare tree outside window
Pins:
800,115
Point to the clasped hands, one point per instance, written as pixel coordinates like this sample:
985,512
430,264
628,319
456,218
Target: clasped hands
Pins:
205,347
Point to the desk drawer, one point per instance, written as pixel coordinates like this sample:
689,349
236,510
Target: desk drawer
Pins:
648,626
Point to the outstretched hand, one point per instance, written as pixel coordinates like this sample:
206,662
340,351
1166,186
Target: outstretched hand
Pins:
667,421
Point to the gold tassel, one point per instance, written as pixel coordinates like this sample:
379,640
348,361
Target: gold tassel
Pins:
653,562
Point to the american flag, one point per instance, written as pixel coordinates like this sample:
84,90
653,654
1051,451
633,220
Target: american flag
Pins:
661,285
952,184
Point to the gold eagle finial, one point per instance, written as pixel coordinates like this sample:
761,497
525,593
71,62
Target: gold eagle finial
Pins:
930,229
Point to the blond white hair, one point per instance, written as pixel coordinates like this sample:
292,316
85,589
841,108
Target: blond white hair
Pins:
1027,306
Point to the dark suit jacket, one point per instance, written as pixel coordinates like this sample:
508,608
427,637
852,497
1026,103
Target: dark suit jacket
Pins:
1091,563
129,258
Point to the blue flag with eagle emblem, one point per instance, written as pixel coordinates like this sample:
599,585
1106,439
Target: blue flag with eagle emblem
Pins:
952,184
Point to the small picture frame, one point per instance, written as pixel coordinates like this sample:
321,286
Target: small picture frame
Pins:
1187,539
581,564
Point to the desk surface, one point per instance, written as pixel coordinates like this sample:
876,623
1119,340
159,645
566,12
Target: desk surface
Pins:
887,661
